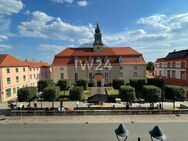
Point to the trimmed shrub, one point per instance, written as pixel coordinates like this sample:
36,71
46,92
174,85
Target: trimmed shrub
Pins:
64,85
44,83
174,92
51,93
26,93
138,84
117,83
76,93
156,82
151,93
82,83
127,93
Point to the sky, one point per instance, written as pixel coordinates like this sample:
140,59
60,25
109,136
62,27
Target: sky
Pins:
39,29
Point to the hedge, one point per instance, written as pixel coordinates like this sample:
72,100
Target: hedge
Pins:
82,83
174,92
151,93
44,83
138,83
51,93
26,93
76,93
127,93
117,83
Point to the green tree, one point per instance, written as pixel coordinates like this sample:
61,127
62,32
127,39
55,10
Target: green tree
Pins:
51,93
64,85
82,83
150,66
117,83
76,93
44,83
151,93
138,83
27,94
127,93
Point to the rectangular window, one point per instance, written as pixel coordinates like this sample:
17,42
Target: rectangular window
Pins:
169,65
174,64
8,92
106,77
23,69
8,70
121,68
90,77
168,73
24,78
182,65
121,74
14,90
8,80
173,74
135,67
16,69
183,77
76,77
30,76
135,74
61,68
34,76
62,75
17,79
159,73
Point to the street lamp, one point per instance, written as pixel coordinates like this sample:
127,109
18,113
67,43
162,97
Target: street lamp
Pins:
121,132
157,134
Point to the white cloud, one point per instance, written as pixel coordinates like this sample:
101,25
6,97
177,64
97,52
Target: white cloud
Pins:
7,7
63,1
5,24
3,37
3,47
82,3
44,26
51,48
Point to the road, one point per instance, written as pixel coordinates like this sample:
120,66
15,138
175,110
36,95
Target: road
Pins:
176,131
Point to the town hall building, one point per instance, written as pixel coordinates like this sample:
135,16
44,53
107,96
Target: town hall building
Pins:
98,64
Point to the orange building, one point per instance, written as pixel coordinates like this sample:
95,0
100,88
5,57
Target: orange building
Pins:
15,74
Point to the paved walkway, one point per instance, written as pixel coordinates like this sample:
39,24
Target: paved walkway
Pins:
97,90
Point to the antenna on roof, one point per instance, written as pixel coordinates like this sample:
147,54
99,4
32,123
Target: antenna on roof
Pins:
33,59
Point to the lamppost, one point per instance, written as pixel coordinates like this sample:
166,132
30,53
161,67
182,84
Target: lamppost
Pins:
157,134
121,132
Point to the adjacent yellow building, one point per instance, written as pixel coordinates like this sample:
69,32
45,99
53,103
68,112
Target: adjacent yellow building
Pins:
15,74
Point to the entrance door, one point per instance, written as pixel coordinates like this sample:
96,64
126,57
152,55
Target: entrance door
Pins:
99,83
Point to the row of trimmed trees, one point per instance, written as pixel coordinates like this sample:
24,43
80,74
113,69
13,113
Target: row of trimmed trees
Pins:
51,91
153,90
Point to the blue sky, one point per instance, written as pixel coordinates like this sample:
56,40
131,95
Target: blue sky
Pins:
39,29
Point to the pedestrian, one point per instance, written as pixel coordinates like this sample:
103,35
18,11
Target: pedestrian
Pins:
35,105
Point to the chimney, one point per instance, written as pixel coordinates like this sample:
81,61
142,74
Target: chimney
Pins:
25,60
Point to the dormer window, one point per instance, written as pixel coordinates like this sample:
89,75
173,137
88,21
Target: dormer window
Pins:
75,60
120,59
90,60
98,60
106,59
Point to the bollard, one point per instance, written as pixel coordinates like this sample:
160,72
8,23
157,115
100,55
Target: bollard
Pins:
139,139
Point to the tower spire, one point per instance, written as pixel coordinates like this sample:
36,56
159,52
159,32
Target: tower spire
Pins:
97,45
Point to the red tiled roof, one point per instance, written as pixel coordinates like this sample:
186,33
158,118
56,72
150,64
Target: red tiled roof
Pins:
98,76
106,51
10,61
134,60
130,56
37,64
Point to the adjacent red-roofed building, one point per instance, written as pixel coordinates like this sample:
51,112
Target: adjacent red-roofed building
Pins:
15,74
88,62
